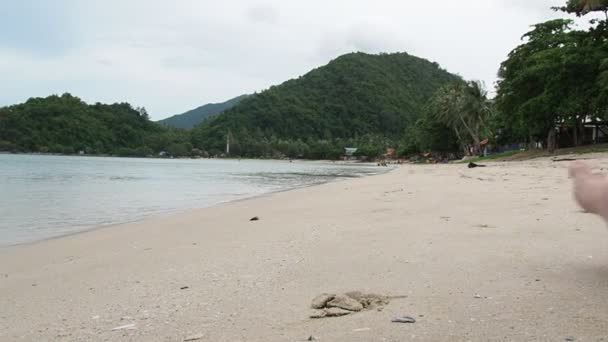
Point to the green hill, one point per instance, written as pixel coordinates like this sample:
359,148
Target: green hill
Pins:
357,99
195,116
66,124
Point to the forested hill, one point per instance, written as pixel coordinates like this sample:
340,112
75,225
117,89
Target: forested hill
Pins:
195,116
355,97
360,100
66,124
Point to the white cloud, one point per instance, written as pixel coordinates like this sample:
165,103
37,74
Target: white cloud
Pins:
263,14
174,56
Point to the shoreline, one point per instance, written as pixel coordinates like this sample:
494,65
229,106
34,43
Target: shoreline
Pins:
183,211
492,253
338,161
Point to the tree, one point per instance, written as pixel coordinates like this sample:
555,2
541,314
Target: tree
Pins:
529,80
179,150
64,124
143,112
429,135
551,79
464,108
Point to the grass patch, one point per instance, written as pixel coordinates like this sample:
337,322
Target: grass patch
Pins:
583,149
532,154
491,157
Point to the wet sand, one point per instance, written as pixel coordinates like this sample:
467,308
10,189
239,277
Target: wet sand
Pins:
495,253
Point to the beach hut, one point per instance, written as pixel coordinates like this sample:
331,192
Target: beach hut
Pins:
350,151
589,132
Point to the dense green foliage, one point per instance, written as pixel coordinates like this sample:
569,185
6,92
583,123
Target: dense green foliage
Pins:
361,100
464,108
195,116
66,124
557,76
428,134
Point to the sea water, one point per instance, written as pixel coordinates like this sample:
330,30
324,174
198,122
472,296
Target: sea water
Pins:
48,196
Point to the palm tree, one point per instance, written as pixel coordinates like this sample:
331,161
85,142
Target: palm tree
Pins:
464,107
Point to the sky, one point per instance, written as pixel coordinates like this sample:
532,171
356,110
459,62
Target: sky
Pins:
172,56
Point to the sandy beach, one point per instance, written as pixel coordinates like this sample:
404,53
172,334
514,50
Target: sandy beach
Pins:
487,254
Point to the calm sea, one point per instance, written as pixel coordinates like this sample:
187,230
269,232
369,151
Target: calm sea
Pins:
48,196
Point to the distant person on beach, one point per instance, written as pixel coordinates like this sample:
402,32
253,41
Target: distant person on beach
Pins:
590,189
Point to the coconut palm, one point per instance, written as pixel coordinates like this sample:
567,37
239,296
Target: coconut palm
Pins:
464,107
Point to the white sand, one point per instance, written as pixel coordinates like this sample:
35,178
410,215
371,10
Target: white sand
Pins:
509,233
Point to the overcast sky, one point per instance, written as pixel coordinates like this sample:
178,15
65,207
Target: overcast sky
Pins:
172,56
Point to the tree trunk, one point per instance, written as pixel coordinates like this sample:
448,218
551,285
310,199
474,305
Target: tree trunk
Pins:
474,135
577,132
531,143
462,144
551,140
581,136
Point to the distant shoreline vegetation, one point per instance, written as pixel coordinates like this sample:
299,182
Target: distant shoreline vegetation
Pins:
67,125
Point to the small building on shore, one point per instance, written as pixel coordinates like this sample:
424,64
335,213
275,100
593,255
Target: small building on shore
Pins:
589,133
350,151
